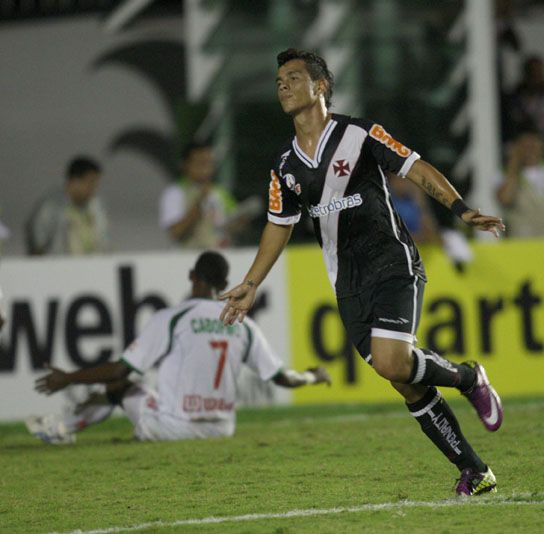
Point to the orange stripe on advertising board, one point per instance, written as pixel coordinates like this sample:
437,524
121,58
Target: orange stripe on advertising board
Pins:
493,312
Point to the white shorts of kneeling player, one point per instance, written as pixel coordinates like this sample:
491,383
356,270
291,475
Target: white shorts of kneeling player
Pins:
141,406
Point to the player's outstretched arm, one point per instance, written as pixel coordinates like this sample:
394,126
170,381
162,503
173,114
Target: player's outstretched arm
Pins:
289,378
435,184
241,298
57,379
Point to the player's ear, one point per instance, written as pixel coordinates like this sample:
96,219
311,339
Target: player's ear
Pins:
192,275
323,86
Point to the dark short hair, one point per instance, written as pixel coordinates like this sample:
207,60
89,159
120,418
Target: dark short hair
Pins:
190,147
315,65
213,269
80,166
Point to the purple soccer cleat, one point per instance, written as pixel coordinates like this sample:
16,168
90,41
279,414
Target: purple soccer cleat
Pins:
484,398
472,483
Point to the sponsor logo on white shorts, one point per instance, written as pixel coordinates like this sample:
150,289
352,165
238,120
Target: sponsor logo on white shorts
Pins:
335,205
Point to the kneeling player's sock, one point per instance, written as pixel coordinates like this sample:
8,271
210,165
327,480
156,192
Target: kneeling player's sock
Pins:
431,369
440,425
94,410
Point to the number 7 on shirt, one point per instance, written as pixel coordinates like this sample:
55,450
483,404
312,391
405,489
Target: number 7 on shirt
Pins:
223,347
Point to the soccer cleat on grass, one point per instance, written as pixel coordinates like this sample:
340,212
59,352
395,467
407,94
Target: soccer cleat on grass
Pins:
473,483
484,398
50,429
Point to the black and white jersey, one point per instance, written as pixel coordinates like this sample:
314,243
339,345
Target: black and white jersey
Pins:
345,192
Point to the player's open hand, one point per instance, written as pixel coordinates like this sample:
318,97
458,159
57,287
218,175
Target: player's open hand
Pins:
53,382
488,223
321,374
239,301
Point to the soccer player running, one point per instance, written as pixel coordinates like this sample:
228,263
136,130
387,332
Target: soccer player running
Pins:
334,166
198,359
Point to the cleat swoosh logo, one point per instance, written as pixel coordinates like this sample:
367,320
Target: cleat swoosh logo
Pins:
494,415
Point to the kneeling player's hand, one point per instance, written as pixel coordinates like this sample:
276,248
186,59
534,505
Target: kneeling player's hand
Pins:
53,382
321,374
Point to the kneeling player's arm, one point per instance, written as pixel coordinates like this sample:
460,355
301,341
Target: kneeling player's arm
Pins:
289,378
107,372
102,374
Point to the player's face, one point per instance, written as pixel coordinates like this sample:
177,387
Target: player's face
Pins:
296,89
200,165
83,189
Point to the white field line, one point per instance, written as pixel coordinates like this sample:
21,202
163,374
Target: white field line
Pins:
290,421
312,512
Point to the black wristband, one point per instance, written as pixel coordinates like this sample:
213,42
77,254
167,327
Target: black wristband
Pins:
459,207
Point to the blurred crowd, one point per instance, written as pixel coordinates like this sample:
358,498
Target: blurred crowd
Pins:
195,211
520,188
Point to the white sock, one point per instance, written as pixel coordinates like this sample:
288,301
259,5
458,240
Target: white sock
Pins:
94,410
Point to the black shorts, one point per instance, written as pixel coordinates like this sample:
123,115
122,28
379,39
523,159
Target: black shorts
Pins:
390,308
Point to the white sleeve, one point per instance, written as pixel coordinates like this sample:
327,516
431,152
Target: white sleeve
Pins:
259,356
150,345
172,206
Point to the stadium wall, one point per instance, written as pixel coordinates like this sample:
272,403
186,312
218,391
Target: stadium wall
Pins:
75,312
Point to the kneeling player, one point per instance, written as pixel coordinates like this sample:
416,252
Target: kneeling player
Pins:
198,359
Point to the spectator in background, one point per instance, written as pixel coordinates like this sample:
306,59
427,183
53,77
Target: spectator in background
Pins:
70,221
196,212
522,190
527,101
411,204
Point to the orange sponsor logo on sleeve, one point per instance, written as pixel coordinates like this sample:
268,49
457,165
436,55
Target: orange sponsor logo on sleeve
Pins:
378,133
275,201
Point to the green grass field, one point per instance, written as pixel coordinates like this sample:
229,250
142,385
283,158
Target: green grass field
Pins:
319,460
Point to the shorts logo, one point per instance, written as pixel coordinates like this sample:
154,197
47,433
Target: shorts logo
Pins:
335,205
275,200
400,320
290,182
341,168
378,133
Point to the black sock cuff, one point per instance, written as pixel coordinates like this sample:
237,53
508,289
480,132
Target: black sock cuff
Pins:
423,405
